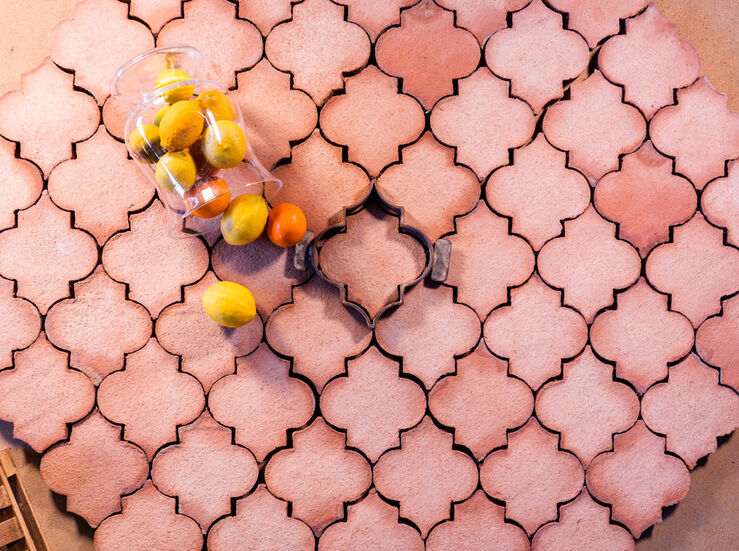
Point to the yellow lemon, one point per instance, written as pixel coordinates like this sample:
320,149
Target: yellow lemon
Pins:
218,104
224,144
244,219
229,304
170,76
144,143
160,114
176,169
180,126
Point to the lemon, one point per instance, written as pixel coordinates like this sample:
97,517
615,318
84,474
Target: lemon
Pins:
224,144
180,126
144,143
160,114
229,304
218,104
244,219
170,76
176,169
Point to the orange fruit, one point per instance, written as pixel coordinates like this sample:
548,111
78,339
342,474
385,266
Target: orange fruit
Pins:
286,225
214,196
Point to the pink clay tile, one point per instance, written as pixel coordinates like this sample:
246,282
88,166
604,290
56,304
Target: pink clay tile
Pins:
94,469
589,263
149,521
261,401
372,259
156,13
373,16
100,193
44,254
154,279
650,61
486,260
594,126
535,332
482,122
114,116
98,325
638,478
320,183
317,46
538,191
228,44
717,342
41,395
481,402
27,114
429,330
597,20
22,184
207,349
19,323
720,203
700,132
583,524
691,409
478,524
425,475
98,26
317,331
204,471
274,113
373,403
427,52
318,475
370,524
587,406
261,523
537,55
372,119
430,186
532,476
265,14
151,398
642,335
482,17
645,198
696,269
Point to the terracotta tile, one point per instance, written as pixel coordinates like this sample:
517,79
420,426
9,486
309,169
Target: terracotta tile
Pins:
317,475
700,132
19,323
425,475
98,26
114,114
430,187
261,401
22,184
154,279
375,16
261,523
645,198
637,478
696,269
372,119
594,126
481,402
589,263
27,114
94,469
156,13
720,202
149,521
482,122
317,46
717,342
649,61
265,14
482,17
373,403
537,55
40,412
204,471
535,332
317,331
532,476
483,269
427,52
597,20
44,232
429,330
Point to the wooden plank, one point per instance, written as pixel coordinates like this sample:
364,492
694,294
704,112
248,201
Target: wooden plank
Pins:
4,498
10,531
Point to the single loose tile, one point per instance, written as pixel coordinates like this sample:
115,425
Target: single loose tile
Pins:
19,323
265,14
156,13
532,476
717,342
483,122
720,202
317,475
482,17
597,20
21,182
373,16
637,478
425,475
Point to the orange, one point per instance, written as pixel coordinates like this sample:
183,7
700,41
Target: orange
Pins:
214,196
286,225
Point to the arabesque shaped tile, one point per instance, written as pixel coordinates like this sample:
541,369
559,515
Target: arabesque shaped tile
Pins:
594,126
537,55
482,122
486,261
317,46
373,16
482,17
41,395
94,469
20,323
425,475
265,14
156,13
637,478
427,52
597,20
717,342
114,113
532,476
21,181
318,475
720,202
